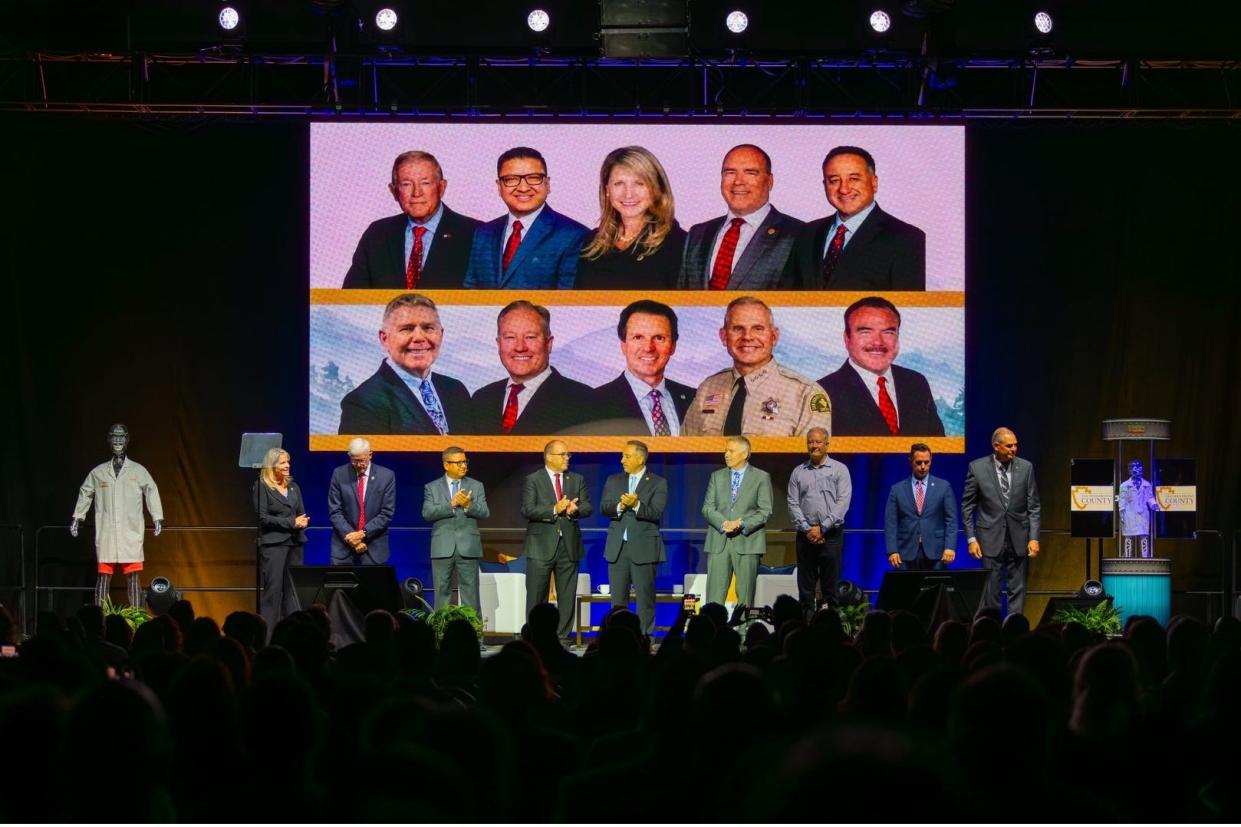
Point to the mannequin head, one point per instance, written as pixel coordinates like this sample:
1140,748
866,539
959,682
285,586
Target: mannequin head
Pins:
118,439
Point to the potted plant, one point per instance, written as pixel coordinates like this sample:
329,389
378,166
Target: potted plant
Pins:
135,616
439,619
1103,618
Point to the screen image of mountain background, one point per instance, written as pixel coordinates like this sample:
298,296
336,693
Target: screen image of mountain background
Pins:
345,350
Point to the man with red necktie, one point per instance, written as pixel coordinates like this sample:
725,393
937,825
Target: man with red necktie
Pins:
747,248
870,395
361,501
920,521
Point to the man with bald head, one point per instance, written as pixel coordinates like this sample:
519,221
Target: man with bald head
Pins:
1000,508
745,249
361,500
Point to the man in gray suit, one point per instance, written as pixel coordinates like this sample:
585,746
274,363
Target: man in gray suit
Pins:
453,504
1001,492
747,248
634,503
553,499
737,507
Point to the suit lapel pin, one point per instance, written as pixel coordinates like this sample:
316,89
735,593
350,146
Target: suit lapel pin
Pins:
771,231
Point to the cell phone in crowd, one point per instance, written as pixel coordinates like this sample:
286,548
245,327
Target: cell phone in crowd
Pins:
690,603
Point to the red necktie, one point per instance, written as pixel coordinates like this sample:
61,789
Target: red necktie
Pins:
886,407
510,408
414,268
722,270
833,255
921,497
513,240
559,490
361,501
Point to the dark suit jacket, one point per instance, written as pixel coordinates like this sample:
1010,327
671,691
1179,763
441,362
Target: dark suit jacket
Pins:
615,403
546,258
855,413
559,403
277,513
761,263
987,520
543,528
884,254
342,509
379,260
645,544
936,526
383,404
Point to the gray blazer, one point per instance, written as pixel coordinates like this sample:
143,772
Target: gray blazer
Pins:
981,506
761,263
454,529
645,544
753,506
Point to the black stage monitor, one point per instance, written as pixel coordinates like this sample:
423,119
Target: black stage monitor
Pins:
368,587
935,596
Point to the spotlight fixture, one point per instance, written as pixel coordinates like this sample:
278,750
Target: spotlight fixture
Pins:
411,594
538,20
386,19
849,593
229,18
1043,22
737,21
880,21
1092,588
161,594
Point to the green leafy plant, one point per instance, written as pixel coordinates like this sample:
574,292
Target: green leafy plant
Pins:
1103,618
439,619
135,616
851,618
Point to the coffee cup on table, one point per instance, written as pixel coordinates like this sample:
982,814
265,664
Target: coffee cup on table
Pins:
604,588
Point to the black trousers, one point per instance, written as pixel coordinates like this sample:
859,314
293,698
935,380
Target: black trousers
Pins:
922,562
642,575
1011,568
565,569
279,599
819,563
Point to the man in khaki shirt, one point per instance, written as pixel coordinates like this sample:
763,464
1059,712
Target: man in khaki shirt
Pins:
756,395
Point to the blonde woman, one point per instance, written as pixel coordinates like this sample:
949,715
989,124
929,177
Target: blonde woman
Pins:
638,243
282,524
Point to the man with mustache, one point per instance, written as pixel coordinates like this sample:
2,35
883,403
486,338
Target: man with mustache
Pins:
872,396
404,396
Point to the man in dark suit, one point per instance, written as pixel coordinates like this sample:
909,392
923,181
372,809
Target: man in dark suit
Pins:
535,398
1000,507
532,245
453,504
360,532
920,521
427,246
861,247
870,395
553,499
404,396
737,506
634,504
641,400
746,249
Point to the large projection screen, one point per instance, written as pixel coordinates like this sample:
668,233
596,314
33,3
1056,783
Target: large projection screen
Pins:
921,181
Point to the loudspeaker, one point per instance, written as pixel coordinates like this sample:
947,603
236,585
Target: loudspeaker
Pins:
1055,604
368,587
935,596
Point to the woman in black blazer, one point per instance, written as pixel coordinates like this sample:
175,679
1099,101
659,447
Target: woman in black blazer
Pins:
282,524
638,244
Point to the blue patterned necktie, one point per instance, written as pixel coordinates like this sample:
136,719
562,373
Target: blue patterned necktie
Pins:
454,488
432,404
736,485
1005,486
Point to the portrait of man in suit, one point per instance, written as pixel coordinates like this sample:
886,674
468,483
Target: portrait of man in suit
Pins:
553,500
405,396
747,248
737,506
859,247
426,247
531,245
920,520
535,398
634,502
1001,511
361,500
642,400
453,504
870,395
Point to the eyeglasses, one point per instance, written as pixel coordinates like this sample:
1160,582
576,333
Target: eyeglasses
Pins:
565,454
533,179
456,462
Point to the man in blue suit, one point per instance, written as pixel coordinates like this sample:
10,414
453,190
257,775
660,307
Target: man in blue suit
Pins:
532,246
360,533
920,524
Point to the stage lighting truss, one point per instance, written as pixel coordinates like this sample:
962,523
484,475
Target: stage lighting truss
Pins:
737,21
538,20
